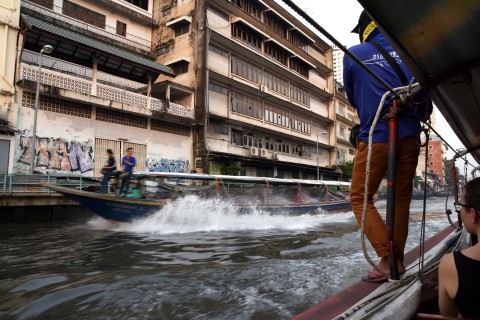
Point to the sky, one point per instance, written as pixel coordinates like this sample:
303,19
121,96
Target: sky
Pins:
339,17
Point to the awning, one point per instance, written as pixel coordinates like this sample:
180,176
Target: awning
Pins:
237,19
97,45
179,20
170,62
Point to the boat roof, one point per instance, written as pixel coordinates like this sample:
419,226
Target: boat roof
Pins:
438,40
245,179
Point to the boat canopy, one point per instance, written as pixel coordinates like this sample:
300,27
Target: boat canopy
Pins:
439,41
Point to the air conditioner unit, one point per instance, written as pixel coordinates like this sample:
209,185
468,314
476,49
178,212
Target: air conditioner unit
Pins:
275,156
253,151
263,153
264,89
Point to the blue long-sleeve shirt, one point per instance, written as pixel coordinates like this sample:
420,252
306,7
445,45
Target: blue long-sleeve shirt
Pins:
365,93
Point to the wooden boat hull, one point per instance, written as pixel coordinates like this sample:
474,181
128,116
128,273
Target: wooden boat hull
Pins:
119,209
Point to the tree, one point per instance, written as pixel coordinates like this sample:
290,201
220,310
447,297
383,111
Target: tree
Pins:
231,169
348,170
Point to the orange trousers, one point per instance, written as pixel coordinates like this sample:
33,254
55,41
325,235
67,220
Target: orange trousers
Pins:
408,150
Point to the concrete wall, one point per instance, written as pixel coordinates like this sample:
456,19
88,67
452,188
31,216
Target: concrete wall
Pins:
161,146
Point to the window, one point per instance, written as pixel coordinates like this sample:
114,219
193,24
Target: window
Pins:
164,50
276,24
430,163
247,36
139,3
121,28
300,67
351,152
246,70
430,147
221,129
301,151
180,67
246,105
167,12
298,40
430,155
218,50
241,138
300,95
276,52
249,6
219,89
182,28
276,115
277,145
276,84
219,12
341,109
341,131
300,123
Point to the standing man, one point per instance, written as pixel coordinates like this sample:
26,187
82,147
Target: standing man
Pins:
365,93
128,163
108,170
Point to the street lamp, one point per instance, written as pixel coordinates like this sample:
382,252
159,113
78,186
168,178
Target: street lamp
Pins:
47,49
318,168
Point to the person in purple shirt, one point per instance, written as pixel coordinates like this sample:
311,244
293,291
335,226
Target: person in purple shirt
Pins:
365,94
127,165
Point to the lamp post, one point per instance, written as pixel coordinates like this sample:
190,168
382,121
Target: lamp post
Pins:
318,166
47,49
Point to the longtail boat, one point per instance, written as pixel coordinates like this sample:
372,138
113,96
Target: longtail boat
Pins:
149,192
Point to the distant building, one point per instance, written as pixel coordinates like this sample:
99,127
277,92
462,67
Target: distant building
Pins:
263,83
338,64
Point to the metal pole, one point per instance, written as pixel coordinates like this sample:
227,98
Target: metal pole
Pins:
46,49
318,169
391,185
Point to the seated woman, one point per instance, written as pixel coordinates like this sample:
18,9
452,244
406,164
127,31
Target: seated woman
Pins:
459,272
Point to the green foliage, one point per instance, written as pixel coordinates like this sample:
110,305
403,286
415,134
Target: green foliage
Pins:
348,170
231,169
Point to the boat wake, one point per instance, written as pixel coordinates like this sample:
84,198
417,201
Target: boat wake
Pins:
192,214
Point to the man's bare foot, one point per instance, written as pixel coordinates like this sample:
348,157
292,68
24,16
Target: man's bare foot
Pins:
384,266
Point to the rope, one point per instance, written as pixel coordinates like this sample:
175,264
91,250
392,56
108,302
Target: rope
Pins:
367,175
421,258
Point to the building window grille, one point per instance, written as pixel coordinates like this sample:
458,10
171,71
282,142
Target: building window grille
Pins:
301,124
299,67
180,67
83,14
173,128
298,40
276,84
254,9
221,130
67,107
300,95
246,105
246,70
122,118
247,36
276,116
276,24
276,53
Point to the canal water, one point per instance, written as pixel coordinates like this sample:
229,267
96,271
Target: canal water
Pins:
193,260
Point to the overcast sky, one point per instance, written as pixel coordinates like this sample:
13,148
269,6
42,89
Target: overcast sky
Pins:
339,17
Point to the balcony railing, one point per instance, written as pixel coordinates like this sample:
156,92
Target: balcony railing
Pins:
110,32
88,87
79,71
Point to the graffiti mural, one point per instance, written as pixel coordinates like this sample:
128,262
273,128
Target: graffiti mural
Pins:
165,165
58,154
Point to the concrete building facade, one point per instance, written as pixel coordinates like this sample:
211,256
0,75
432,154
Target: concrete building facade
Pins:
346,118
9,28
100,88
263,86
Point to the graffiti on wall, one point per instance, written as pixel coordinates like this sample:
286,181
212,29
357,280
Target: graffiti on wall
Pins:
165,165
58,154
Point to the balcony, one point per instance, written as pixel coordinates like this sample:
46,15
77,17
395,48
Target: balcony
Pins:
129,40
75,78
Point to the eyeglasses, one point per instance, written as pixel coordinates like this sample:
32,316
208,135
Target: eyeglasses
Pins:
458,206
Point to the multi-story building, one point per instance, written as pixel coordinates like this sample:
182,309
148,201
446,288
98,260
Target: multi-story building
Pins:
346,118
338,64
100,89
9,27
263,84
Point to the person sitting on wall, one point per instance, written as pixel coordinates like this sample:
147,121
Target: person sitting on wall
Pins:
458,273
128,163
108,170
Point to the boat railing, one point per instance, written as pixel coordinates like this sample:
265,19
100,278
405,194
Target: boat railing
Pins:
33,184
